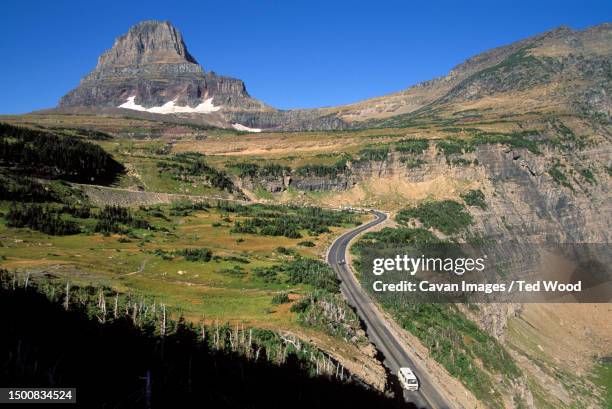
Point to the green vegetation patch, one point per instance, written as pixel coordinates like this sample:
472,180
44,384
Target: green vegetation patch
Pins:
308,271
191,166
280,298
463,162
288,221
375,153
475,198
602,376
447,216
556,172
42,218
117,219
588,175
518,58
320,170
52,156
201,254
514,140
412,146
25,189
330,313
390,237
313,272
253,170
412,163
454,146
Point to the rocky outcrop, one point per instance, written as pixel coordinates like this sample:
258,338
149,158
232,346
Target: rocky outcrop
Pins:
152,64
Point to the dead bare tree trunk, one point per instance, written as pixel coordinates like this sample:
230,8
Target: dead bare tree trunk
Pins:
116,308
217,336
135,314
163,323
148,390
102,306
230,339
67,299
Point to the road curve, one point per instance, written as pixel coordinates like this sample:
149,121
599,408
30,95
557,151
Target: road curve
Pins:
394,352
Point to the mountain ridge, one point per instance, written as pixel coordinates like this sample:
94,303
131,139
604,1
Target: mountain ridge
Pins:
150,69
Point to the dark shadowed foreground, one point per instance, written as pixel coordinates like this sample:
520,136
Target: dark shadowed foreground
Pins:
43,345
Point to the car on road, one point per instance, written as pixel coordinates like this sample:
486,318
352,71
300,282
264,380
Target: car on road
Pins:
342,261
408,379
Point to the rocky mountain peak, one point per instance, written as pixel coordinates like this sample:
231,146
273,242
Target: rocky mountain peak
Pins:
148,42
149,69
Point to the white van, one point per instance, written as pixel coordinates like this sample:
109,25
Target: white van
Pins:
408,379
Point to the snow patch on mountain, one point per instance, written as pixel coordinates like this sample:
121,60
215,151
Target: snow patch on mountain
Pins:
170,107
240,127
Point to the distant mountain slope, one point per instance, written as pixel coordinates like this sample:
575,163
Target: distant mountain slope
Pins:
560,68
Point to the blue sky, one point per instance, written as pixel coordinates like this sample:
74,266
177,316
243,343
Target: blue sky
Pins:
291,54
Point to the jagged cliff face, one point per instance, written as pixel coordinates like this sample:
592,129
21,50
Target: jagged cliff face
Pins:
523,200
150,67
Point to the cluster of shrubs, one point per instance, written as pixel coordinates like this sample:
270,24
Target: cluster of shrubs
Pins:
190,165
53,218
394,237
412,146
24,189
199,254
280,298
315,273
376,153
114,219
268,227
286,221
42,218
253,170
447,216
320,170
78,211
529,140
329,312
412,163
46,154
453,146
190,254
474,198
186,207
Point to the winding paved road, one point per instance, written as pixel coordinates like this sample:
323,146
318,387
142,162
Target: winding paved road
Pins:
395,353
